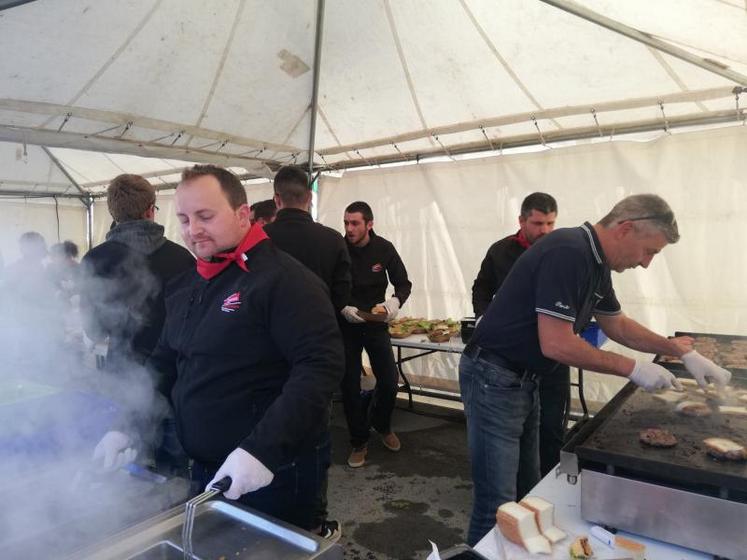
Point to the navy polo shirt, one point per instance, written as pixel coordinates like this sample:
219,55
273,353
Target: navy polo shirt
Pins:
564,275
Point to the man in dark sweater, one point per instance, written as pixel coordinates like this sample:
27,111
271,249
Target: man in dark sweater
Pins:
250,355
375,264
122,286
323,251
538,213
122,295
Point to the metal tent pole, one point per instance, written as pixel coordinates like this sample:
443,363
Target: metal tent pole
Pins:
315,91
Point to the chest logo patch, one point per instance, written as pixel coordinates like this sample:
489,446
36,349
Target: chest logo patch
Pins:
561,305
231,303
377,267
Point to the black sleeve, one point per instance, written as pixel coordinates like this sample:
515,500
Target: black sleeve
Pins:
397,274
304,328
342,281
162,365
90,304
485,286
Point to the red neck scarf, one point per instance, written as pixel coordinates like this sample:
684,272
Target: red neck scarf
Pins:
522,240
210,269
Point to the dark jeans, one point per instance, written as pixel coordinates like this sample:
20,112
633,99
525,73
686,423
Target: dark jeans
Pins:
292,496
375,340
502,411
554,396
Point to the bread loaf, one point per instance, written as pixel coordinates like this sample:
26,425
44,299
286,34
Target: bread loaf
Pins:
519,525
544,513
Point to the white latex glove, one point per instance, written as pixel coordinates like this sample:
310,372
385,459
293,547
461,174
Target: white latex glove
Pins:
246,472
351,314
652,377
114,450
392,308
704,370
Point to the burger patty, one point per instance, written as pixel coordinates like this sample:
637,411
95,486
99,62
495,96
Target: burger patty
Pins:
657,437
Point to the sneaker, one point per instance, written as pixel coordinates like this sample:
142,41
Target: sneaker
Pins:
391,441
331,530
357,457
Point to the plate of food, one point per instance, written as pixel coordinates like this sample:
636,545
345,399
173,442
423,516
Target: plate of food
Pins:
376,315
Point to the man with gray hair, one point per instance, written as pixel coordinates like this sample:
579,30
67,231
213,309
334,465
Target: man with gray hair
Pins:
531,326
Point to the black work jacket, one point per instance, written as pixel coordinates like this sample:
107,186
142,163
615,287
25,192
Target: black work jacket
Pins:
494,269
250,359
374,266
320,248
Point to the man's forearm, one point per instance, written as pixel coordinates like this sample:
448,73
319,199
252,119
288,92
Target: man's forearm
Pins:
576,352
633,335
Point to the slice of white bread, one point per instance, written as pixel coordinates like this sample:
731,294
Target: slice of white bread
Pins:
670,396
723,448
733,410
636,550
688,382
519,525
544,513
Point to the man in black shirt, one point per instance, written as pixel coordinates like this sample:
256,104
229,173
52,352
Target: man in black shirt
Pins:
320,248
375,264
531,326
323,251
250,355
537,218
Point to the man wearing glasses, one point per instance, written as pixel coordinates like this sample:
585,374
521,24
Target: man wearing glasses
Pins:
531,326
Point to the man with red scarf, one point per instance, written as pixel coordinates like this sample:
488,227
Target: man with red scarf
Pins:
538,213
249,356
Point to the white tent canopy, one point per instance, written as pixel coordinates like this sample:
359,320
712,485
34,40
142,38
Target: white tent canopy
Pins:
152,86
232,82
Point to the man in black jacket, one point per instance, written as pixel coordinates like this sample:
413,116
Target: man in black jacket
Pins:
320,248
323,251
538,213
250,355
375,264
122,295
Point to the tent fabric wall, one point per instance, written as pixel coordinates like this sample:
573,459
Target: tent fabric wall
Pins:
442,218
18,216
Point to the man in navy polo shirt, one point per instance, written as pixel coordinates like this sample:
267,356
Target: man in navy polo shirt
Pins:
531,326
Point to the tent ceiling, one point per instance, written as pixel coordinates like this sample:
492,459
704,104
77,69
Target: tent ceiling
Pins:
231,82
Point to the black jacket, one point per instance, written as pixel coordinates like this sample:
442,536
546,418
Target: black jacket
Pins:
493,271
320,248
374,266
122,287
250,359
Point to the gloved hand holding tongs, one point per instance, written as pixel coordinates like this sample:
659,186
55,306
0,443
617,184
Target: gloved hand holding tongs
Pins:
114,450
246,471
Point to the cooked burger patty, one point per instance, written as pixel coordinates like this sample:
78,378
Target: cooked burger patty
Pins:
657,437
693,408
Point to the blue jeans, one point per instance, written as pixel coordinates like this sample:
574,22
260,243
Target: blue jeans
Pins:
293,495
502,410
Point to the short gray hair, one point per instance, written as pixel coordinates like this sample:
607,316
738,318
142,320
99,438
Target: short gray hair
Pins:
650,208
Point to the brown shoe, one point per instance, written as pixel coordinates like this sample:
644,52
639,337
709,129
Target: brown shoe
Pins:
357,457
391,441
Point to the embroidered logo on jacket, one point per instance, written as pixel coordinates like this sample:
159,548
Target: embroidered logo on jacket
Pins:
377,267
562,305
231,303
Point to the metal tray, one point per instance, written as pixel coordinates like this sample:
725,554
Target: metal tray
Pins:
221,530
679,368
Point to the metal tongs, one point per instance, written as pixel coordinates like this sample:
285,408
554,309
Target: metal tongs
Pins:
189,514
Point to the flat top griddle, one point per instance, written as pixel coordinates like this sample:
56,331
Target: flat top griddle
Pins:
722,341
612,440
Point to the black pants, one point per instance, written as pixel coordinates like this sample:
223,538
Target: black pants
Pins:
554,397
293,495
360,418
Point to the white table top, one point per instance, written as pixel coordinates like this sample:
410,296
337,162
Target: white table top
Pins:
566,498
421,342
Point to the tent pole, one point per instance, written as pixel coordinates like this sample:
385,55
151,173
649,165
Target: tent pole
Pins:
573,8
84,193
89,222
315,86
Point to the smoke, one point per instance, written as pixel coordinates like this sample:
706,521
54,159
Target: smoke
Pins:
55,405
